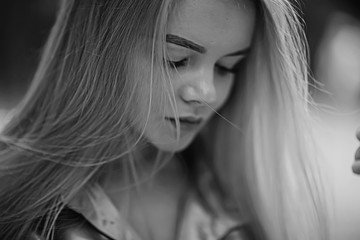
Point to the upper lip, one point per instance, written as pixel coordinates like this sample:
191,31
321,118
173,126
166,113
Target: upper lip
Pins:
187,119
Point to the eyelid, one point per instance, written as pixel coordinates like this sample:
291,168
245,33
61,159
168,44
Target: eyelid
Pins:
177,54
177,50
175,64
236,66
224,68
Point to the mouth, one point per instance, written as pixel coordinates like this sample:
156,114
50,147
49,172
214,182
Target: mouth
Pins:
186,123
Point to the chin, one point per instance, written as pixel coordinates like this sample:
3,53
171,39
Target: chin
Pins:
175,146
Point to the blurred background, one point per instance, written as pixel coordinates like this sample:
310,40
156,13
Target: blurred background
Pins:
333,31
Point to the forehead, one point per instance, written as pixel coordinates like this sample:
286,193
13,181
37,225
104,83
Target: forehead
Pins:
210,22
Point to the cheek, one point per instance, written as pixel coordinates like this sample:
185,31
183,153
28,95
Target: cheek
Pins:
149,100
223,90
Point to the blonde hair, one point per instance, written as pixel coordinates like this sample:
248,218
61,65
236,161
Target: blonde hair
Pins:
278,178
80,114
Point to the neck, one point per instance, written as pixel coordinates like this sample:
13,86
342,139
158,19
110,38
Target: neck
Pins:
143,168
150,201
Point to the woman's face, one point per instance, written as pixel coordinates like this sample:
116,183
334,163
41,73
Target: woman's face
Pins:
206,42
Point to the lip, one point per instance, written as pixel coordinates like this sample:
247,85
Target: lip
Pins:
187,123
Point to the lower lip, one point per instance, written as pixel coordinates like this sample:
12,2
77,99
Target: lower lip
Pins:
186,126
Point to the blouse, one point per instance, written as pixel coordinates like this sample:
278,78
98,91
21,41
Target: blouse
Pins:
98,219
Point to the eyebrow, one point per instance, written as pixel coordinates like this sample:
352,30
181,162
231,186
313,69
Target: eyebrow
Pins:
184,43
173,39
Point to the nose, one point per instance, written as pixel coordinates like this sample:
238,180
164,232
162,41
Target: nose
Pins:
199,88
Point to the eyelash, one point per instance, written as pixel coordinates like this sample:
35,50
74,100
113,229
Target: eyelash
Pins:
177,64
221,69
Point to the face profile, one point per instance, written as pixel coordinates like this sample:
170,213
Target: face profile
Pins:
204,50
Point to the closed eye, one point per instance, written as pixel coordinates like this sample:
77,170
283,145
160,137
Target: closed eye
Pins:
224,70
235,69
177,64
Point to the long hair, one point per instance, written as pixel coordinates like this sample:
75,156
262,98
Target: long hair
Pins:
270,165
85,109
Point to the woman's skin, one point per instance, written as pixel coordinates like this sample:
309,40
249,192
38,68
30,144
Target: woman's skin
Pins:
206,39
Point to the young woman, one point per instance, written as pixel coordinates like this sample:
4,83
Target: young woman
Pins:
164,119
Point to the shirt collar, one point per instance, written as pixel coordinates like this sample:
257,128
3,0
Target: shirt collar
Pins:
196,224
